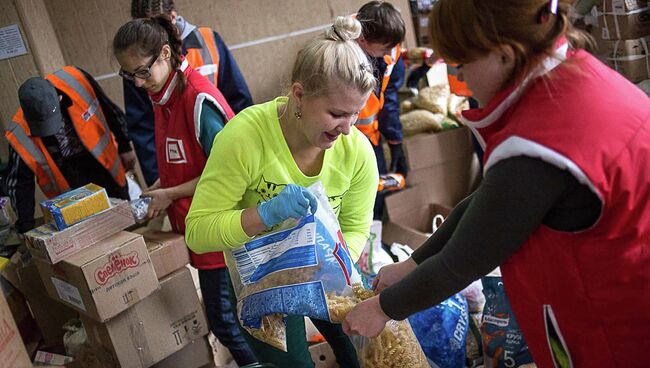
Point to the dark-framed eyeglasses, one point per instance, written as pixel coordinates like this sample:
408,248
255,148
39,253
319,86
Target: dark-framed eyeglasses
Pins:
143,73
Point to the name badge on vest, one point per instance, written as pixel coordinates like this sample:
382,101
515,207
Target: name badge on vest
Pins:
91,110
175,151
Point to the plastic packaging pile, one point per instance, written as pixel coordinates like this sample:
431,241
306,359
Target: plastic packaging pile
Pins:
433,110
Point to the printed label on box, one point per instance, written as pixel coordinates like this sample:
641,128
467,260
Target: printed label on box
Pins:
68,293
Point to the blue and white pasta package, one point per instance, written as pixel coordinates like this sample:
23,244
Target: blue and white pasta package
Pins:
299,269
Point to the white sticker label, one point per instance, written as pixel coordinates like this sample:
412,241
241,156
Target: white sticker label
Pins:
68,293
11,42
618,6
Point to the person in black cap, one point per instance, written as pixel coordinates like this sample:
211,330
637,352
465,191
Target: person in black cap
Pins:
66,134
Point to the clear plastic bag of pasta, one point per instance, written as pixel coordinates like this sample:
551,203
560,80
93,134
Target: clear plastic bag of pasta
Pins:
292,270
395,347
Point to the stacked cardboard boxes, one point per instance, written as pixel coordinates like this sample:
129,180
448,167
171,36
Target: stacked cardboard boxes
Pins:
12,349
623,36
135,297
443,170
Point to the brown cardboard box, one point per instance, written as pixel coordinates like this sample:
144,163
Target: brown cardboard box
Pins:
443,162
410,217
623,19
20,311
629,57
620,6
53,246
197,354
155,328
167,250
323,356
103,280
50,314
620,48
423,34
12,350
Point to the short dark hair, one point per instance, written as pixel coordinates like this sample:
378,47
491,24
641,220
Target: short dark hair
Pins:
382,23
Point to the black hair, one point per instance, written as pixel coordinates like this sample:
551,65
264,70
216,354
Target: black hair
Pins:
150,8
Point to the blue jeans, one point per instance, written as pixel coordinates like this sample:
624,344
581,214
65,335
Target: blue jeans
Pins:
221,314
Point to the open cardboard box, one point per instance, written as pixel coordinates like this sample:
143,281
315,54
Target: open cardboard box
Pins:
410,217
443,162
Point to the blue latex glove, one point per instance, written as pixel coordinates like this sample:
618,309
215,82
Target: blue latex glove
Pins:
292,202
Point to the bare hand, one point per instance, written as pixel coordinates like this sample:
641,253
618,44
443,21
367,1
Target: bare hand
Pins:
128,160
155,185
366,319
392,273
159,202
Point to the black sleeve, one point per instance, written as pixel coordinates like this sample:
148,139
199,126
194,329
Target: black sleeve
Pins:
511,202
114,116
20,185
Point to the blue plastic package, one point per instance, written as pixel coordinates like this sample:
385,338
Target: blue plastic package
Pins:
442,332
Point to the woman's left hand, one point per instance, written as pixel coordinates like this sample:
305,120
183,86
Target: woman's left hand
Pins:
160,200
366,319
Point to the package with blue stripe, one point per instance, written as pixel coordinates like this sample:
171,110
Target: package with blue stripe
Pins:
299,269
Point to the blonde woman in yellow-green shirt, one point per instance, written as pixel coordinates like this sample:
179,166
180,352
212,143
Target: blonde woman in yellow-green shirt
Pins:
266,156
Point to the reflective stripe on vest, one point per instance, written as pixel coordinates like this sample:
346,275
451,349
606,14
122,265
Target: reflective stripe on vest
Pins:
88,120
36,157
367,122
205,60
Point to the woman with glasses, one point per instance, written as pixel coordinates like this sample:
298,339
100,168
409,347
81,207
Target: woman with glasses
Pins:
189,111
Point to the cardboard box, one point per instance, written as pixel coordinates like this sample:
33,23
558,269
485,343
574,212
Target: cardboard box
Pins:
634,68
623,25
410,217
621,48
12,350
50,315
444,162
168,251
47,243
197,354
74,206
620,6
423,33
160,325
323,356
20,311
631,58
103,280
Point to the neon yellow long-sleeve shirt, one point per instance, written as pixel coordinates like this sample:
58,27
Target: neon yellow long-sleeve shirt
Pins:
250,163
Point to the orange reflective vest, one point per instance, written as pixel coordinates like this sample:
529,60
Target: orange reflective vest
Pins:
367,122
457,87
205,60
89,123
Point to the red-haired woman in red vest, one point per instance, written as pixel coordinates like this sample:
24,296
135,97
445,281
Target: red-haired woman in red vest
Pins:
564,207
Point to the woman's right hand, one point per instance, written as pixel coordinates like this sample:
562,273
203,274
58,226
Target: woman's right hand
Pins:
292,202
392,273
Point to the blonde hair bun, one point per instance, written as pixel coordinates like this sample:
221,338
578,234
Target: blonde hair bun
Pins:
344,29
